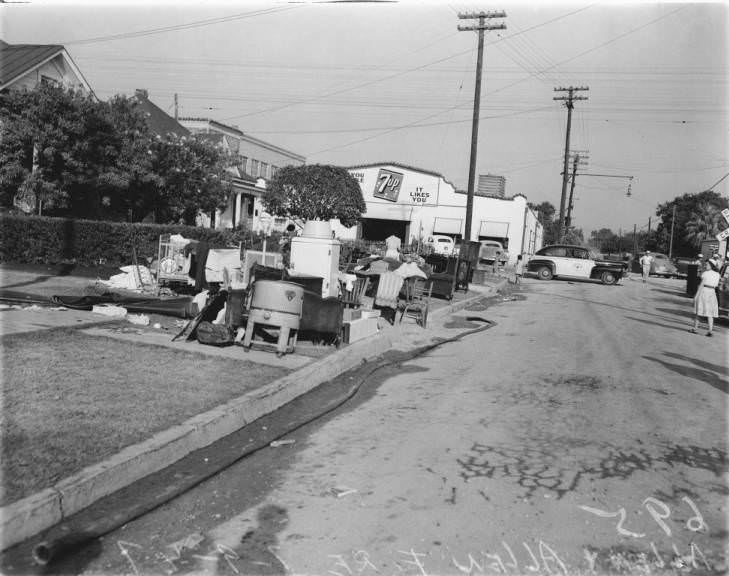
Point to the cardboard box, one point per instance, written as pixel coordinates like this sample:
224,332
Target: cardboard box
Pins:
355,330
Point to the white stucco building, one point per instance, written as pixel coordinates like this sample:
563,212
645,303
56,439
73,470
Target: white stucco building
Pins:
413,204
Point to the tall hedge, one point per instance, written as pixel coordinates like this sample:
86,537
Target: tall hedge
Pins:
42,240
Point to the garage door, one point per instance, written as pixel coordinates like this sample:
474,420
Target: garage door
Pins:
447,226
493,229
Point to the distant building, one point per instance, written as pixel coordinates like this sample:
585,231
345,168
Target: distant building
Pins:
28,65
257,162
490,185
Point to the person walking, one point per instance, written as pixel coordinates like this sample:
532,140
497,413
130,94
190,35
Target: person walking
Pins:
705,302
519,269
645,263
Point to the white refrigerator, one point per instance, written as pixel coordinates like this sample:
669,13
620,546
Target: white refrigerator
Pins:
317,257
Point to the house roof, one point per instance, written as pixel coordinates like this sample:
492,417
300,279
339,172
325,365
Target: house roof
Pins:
159,121
235,132
214,124
17,60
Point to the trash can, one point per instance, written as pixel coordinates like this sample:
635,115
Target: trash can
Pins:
692,279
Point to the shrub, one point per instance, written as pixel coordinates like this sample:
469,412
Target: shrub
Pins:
44,240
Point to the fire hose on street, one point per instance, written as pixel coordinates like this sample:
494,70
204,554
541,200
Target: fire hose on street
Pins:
138,499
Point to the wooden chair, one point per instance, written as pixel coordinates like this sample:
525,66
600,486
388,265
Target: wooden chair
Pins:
353,298
417,301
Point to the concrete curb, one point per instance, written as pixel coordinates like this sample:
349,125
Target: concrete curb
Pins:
32,515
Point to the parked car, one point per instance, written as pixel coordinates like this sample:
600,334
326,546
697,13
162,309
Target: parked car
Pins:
568,261
441,244
661,266
492,252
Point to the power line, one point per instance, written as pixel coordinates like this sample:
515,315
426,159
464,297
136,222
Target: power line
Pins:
593,49
349,89
718,181
364,84
187,26
415,124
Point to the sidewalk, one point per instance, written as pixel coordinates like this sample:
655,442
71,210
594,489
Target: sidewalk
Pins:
34,514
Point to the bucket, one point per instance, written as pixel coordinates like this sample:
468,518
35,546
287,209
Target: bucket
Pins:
317,229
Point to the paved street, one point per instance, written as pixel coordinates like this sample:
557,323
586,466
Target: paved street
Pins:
584,433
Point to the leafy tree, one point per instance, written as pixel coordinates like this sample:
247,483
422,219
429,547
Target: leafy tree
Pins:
130,190
316,191
193,178
703,224
64,153
56,146
574,236
606,241
687,207
545,214
603,239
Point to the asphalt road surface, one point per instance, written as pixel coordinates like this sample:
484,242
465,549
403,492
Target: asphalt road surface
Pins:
583,433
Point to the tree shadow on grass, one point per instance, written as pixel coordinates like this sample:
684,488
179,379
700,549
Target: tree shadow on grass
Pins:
705,376
63,269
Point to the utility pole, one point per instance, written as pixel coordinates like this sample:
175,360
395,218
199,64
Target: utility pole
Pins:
568,218
569,103
648,238
578,160
482,17
620,240
673,223
635,239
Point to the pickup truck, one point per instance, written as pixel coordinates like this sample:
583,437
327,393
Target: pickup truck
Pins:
492,252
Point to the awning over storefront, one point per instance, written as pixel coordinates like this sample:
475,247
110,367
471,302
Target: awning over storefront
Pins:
447,226
493,229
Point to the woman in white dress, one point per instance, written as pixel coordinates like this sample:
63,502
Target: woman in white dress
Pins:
705,302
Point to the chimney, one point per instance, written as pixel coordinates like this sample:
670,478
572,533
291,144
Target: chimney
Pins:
141,93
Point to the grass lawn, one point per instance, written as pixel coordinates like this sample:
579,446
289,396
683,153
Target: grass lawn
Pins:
70,400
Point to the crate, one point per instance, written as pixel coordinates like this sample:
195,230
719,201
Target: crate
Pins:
172,265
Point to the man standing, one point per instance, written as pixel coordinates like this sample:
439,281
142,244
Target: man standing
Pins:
645,262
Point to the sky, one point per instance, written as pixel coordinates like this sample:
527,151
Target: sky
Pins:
351,83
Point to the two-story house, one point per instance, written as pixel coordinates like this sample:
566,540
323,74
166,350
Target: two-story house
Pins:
257,162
